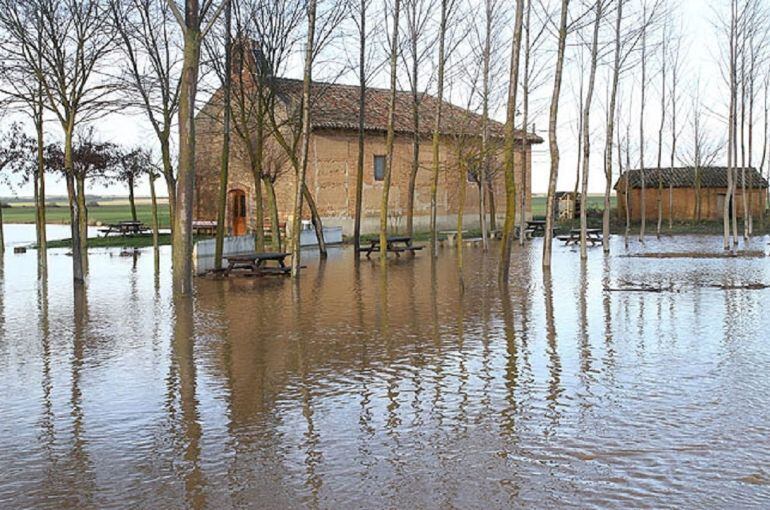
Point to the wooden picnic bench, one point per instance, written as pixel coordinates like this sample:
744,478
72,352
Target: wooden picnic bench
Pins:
125,228
204,227
254,263
395,244
593,236
534,228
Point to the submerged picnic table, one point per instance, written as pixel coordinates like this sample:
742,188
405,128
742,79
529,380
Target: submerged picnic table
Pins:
535,227
395,244
254,263
125,228
593,236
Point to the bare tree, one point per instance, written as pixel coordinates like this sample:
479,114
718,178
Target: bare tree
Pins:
675,59
368,63
509,149
66,45
150,82
24,92
552,126
599,7
611,114
391,130
663,68
418,48
198,18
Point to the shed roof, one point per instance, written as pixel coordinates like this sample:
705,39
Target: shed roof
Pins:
685,177
335,106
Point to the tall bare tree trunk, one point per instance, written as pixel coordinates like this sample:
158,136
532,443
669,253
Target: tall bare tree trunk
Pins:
391,134
730,129
181,233
80,182
131,200
299,177
524,123
256,155
574,212
484,167
272,206
587,130
643,198
155,225
42,241
69,169
315,219
552,140
509,149
416,127
224,171
492,208
611,113
659,197
437,133
361,124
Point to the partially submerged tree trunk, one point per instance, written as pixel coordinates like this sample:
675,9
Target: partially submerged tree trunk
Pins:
484,167
224,170
131,201
524,123
643,192
587,130
390,137
155,225
299,174
509,149
80,182
552,140
272,205
69,169
611,113
42,238
181,234
361,131
663,69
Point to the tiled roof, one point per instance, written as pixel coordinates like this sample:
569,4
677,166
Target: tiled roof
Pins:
335,106
684,177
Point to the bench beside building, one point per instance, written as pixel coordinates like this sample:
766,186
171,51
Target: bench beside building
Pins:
681,187
333,158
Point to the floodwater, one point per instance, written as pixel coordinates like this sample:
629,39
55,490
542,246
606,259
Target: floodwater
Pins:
622,382
22,233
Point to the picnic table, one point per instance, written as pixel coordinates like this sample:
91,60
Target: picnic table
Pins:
534,227
204,227
451,235
254,263
593,236
395,244
125,228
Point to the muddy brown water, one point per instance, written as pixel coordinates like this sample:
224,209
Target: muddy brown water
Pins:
360,388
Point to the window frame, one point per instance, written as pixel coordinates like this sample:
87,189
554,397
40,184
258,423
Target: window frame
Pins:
375,159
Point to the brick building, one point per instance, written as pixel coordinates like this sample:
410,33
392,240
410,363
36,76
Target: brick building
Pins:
681,187
333,157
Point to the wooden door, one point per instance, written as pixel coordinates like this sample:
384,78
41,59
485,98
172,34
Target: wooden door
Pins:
238,212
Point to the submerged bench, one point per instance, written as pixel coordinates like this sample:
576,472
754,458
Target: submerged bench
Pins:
254,263
395,244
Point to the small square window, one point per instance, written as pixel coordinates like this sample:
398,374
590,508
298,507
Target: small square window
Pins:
379,168
473,176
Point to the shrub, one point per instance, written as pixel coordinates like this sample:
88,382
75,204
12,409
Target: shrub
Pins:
92,203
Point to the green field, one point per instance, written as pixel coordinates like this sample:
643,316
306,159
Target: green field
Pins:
107,212
538,204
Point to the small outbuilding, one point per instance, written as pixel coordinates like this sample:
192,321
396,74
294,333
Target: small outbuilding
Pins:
689,193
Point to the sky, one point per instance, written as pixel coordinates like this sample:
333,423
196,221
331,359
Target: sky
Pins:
699,36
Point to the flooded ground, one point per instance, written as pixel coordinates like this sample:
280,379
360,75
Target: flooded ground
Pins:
623,382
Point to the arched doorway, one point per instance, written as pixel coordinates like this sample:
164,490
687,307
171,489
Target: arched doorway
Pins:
237,212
